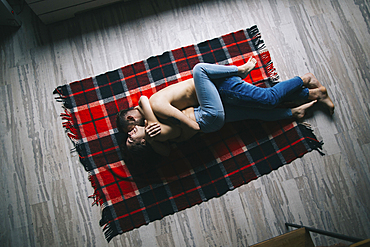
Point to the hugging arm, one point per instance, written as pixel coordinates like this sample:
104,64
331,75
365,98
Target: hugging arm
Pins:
169,102
159,142
174,115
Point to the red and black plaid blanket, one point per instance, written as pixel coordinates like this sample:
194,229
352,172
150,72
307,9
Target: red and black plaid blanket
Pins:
206,166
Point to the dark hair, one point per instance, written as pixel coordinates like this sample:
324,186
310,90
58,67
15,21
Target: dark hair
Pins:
121,121
142,162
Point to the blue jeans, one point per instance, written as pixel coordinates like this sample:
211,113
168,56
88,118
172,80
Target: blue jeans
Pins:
225,97
235,91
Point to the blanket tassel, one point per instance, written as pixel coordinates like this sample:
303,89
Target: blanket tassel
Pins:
271,70
62,98
257,41
313,143
96,195
110,230
110,233
70,128
67,116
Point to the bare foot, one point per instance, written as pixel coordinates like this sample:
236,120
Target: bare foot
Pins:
321,95
246,68
310,81
300,111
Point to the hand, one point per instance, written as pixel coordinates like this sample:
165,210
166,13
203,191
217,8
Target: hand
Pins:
153,129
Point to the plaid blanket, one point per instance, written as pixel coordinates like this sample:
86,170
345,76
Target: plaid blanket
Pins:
204,167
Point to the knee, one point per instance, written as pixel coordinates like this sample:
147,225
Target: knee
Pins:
198,68
219,120
273,103
213,121
272,99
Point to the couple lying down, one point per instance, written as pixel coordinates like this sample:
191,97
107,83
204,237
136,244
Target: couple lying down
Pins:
216,94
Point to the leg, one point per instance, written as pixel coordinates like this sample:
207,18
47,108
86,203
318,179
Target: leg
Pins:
234,90
207,71
210,113
313,91
236,113
215,71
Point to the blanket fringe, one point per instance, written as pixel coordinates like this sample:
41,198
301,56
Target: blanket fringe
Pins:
256,38
110,230
69,123
265,56
270,69
96,195
62,98
311,139
253,30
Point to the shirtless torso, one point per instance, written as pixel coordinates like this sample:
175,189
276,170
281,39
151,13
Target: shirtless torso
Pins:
173,106
180,96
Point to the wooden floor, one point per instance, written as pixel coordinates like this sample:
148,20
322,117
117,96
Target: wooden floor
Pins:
44,188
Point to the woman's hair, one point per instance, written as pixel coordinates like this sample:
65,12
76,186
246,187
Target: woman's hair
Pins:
140,159
143,153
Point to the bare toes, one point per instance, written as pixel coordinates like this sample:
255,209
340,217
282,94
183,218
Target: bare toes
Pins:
325,99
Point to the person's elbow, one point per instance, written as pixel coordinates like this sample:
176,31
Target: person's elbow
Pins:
143,99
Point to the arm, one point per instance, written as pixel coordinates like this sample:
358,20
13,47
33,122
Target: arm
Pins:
165,110
162,148
167,132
